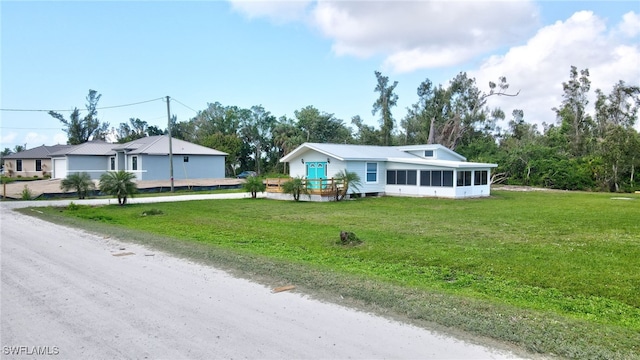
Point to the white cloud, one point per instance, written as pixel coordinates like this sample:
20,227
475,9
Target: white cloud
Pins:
630,25
33,139
8,138
539,67
60,138
277,11
410,34
423,34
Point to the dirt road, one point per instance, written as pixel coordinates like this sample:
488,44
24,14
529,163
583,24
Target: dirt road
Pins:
67,294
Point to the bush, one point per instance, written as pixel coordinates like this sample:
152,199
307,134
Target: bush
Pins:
254,185
26,193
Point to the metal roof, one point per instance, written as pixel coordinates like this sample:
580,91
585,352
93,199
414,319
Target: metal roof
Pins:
40,152
94,147
398,154
350,152
151,145
159,145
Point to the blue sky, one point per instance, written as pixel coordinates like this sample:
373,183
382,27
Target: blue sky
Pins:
287,55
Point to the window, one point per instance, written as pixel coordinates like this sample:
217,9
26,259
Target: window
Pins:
464,178
372,172
112,163
435,178
185,159
391,177
481,177
425,178
428,153
19,165
412,177
134,163
38,165
402,177
447,178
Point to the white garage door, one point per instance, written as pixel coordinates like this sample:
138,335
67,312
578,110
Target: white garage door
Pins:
59,168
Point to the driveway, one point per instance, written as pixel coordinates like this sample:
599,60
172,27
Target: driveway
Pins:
73,295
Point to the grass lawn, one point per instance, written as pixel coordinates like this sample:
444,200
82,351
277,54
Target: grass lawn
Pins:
551,272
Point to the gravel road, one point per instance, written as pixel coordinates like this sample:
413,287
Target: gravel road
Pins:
68,294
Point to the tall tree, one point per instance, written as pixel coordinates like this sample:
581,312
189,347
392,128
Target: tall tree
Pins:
620,108
286,137
231,144
136,129
257,126
451,114
366,134
575,123
386,100
80,130
183,130
321,127
618,144
217,118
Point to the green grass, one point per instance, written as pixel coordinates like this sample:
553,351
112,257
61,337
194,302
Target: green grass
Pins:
553,272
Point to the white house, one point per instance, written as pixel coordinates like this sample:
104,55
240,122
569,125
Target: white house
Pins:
416,170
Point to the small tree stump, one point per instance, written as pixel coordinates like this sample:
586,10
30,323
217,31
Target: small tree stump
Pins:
349,238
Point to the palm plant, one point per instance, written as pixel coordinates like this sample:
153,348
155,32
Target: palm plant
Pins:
254,184
119,184
295,187
81,182
349,180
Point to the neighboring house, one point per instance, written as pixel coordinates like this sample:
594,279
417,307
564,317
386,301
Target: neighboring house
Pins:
91,157
32,162
147,157
418,170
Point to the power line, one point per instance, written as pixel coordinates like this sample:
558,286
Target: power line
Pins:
100,108
27,128
178,101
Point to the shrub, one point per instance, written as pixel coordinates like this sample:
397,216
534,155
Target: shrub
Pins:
119,184
295,187
81,182
348,180
26,193
254,184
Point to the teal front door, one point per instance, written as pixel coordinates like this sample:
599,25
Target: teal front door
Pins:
316,172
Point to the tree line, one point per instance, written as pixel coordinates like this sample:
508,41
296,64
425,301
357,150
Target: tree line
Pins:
577,151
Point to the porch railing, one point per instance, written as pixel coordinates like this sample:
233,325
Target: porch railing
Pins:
324,187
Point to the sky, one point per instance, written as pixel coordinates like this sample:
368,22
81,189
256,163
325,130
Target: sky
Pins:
286,55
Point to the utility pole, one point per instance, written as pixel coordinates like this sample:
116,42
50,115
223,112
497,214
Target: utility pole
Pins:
170,146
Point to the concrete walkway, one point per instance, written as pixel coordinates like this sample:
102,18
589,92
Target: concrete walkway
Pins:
140,200
52,186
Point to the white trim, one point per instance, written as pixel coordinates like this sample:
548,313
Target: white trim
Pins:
366,172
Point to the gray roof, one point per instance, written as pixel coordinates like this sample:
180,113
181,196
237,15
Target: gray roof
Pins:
159,145
94,147
40,152
151,145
